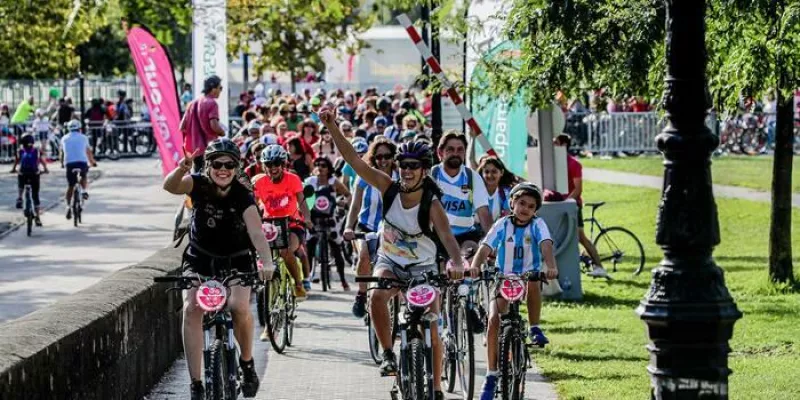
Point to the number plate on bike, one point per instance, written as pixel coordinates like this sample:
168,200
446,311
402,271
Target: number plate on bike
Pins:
421,296
512,289
211,296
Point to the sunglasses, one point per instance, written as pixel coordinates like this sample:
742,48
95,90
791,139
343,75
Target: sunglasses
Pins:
380,157
273,164
227,164
413,165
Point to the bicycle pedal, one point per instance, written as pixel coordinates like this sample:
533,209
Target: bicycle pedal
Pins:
387,374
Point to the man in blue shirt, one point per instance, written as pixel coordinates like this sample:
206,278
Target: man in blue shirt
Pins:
76,153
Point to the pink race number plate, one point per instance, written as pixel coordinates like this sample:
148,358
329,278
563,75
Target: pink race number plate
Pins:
421,296
211,296
270,231
512,289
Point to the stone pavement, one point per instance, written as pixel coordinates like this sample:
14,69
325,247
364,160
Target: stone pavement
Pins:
128,217
329,360
656,182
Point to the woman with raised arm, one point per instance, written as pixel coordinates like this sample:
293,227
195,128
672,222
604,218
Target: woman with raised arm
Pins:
414,220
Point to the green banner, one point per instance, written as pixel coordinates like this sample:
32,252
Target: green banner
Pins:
503,124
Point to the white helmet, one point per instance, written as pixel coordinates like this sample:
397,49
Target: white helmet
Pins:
274,153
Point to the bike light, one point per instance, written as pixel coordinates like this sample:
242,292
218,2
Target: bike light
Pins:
421,296
211,296
512,289
463,290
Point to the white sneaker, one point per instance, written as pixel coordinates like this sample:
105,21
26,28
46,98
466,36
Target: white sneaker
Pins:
264,335
598,272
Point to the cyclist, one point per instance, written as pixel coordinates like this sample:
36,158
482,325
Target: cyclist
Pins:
29,159
76,153
575,187
225,225
366,210
499,182
326,185
465,193
521,241
413,220
280,194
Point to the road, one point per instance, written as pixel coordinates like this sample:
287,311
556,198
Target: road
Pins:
329,360
127,218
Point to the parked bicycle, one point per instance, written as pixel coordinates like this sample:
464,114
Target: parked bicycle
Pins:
614,244
276,304
220,354
414,378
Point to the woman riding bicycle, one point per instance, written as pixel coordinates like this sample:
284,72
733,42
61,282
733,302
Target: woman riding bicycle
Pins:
224,226
408,234
326,185
366,210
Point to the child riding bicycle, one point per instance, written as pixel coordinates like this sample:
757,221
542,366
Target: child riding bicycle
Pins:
521,241
29,158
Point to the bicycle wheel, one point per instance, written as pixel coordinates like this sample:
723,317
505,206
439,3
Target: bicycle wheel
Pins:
450,340
277,314
506,359
324,268
28,216
416,369
622,248
76,208
520,368
372,338
217,389
465,341
262,305
291,314
230,374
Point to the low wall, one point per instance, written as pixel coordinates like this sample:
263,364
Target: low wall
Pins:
113,340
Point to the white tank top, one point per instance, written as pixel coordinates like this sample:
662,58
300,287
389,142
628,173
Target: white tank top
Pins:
402,240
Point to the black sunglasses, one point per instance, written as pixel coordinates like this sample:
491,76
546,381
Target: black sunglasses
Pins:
273,164
379,157
226,164
410,165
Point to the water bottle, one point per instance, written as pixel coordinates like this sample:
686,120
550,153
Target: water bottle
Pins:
566,284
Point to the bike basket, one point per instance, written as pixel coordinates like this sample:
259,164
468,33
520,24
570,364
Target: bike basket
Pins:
512,289
276,231
421,296
211,296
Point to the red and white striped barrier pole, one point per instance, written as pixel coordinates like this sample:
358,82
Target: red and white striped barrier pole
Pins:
433,63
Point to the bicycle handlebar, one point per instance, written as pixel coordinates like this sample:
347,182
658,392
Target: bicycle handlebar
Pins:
364,236
187,282
432,278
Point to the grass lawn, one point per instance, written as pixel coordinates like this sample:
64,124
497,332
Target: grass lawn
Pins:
597,348
753,172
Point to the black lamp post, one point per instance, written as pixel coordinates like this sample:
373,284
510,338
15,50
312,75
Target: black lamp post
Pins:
688,310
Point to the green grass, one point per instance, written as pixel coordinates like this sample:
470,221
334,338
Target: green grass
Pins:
597,348
754,172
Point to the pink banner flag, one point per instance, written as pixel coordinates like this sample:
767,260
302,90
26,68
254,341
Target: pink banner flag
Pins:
158,81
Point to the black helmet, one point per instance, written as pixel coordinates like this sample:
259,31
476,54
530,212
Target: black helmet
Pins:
383,103
415,151
222,147
27,139
529,189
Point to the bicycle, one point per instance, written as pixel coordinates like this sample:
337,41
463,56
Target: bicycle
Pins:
77,198
276,304
513,356
324,226
458,338
414,378
222,374
615,244
29,211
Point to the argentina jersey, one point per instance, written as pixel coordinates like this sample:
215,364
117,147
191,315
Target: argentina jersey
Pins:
371,205
460,201
498,204
517,247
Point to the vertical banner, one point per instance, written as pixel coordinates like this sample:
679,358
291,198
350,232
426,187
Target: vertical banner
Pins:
209,53
161,92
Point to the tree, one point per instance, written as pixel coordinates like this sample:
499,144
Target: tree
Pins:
169,20
39,40
293,33
570,45
106,53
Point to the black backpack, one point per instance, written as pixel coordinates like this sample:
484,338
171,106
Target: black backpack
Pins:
429,190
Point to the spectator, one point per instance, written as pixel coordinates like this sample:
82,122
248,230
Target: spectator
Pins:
23,111
96,114
393,131
200,124
5,115
186,96
123,112
244,105
145,110
65,111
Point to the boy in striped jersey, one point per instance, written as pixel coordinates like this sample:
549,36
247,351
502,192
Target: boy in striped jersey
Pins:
521,242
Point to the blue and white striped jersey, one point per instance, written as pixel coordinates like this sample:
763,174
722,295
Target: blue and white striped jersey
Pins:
459,201
517,247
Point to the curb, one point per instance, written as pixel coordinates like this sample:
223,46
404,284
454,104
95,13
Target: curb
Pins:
16,225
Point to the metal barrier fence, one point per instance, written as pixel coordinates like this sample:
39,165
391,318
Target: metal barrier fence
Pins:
12,93
109,140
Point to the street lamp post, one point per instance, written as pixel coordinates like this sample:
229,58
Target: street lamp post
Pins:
688,311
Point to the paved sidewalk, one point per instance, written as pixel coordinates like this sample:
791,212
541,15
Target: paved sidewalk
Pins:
656,182
329,360
128,217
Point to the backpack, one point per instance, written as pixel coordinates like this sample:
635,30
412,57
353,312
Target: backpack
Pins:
29,160
429,190
435,173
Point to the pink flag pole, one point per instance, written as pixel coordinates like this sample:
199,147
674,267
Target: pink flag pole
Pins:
436,68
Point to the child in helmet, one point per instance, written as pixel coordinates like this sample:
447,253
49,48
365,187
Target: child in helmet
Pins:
521,242
29,160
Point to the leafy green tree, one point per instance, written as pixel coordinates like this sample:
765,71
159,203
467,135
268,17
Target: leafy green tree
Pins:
106,53
293,33
752,46
169,20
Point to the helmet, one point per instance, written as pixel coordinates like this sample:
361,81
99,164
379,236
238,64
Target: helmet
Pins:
315,101
406,105
27,139
273,153
74,125
360,144
529,189
269,139
222,147
382,121
254,125
417,151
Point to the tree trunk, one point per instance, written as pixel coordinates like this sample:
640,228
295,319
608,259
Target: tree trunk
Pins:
780,231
